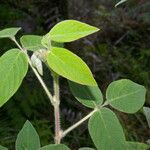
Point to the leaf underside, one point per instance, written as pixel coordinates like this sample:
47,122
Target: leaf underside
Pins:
90,96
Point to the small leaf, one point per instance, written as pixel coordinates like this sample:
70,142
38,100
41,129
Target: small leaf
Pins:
13,68
27,138
137,146
55,147
37,63
119,3
3,148
9,32
106,131
147,114
126,95
86,148
70,30
31,42
70,66
89,96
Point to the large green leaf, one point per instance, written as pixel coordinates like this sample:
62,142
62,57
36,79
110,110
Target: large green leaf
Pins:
106,131
126,95
89,96
147,114
27,138
86,148
70,66
137,146
3,148
55,147
9,32
13,68
70,30
31,42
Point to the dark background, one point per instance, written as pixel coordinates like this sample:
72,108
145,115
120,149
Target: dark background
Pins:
120,50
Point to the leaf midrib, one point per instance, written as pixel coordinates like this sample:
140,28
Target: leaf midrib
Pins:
114,99
72,34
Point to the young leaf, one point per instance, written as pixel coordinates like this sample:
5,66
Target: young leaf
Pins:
9,32
86,148
147,114
31,42
13,68
136,146
70,66
27,138
55,147
106,131
126,95
89,96
3,148
37,63
70,30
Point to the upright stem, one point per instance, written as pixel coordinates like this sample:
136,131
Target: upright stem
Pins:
56,99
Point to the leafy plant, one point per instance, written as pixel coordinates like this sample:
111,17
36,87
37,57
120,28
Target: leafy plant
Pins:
104,126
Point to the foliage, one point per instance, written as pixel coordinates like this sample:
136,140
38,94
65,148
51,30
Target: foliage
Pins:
62,62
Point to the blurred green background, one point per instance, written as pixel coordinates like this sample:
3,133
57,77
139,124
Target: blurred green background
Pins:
120,50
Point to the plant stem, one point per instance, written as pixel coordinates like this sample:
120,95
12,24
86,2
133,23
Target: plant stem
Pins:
57,109
35,71
78,123
64,133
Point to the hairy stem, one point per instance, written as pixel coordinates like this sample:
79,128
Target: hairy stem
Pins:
78,123
65,132
35,71
57,109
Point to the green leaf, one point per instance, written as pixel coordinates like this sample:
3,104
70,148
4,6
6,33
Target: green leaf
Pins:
32,42
126,95
13,68
9,32
136,146
27,138
86,148
70,66
55,147
89,96
147,114
70,30
3,148
106,131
